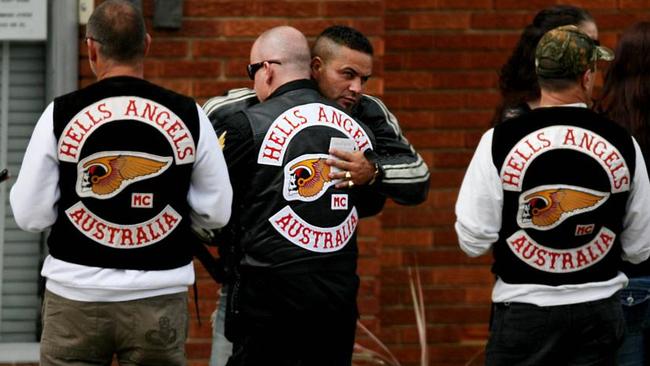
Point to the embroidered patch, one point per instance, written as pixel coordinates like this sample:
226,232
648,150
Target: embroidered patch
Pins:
314,238
546,207
564,137
584,229
164,335
142,200
123,236
112,109
306,178
339,202
103,175
287,125
561,260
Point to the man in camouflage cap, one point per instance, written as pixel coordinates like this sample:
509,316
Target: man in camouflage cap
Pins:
560,196
564,54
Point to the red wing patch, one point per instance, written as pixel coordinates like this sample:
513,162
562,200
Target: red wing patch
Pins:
546,207
104,175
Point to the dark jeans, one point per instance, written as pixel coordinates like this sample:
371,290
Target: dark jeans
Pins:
636,306
306,319
576,335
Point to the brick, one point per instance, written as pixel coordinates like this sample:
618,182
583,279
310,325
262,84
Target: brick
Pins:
445,237
620,20
633,4
440,80
453,41
249,27
397,23
164,48
444,119
444,256
446,179
466,275
370,227
189,68
236,68
448,60
190,28
211,88
437,139
182,86
401,5
221,48
417,217
368,305
454,159
439,20
203,8
313,27
501,20
408,238
352,8
291,9
368,266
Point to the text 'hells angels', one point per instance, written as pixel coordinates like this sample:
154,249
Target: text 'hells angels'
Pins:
82,125
564,137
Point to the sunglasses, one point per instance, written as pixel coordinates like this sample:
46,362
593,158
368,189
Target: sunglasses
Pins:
253,68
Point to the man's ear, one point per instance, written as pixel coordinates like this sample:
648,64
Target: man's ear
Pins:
268,74
92,50
147,44
316,66
587,79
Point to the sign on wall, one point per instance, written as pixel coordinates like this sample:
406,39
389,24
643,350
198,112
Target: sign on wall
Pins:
23,20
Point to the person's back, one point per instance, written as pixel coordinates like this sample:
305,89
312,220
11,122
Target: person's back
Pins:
297,231
120,171
561,196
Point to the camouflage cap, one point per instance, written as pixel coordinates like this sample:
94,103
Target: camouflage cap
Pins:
565,52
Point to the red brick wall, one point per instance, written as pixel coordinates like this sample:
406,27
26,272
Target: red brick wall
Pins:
436,69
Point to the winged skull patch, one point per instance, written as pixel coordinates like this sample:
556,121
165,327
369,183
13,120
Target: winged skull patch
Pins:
546,207
105,174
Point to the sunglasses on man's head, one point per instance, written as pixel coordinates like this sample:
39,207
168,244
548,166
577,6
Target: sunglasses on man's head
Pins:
253,68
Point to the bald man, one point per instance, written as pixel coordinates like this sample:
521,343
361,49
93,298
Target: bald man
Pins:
293,298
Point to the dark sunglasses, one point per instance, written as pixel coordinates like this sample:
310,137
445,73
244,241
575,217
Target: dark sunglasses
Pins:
253,68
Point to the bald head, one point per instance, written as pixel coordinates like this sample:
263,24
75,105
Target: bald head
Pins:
288,47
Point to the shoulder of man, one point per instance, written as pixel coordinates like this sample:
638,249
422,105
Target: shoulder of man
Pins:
235,100
375,114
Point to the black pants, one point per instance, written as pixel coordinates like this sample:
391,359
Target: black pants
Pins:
576,335
304,319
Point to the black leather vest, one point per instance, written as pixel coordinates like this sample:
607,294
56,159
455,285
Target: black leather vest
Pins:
126,149
294,214
566,175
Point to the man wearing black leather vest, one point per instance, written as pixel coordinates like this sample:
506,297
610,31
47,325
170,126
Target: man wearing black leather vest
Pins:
561,196
119,171
295,300
341,65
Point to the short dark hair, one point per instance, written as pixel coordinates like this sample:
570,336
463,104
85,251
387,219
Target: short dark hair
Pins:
348,37
118,26
557,85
